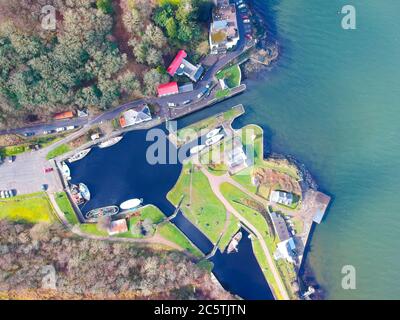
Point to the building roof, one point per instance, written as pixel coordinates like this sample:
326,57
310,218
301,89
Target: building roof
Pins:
280,227
64,115
281,197
167,89
175,64
135,116
117,226
187,87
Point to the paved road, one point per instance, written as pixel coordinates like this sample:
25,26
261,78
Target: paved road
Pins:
215,182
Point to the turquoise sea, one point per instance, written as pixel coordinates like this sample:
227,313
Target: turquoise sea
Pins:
333,102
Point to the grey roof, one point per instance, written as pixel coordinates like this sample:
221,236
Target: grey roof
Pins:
187,87
280,227
190,70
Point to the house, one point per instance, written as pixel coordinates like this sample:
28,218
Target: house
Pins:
63,115
117,226
281,197
135,116
167,89
187,87
286,246
181,66
224,31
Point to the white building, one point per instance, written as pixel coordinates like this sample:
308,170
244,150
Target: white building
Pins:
135,116
224,32
281,197
286,246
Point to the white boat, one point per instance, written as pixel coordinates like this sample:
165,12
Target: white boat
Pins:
110,142
84,190
131,204
197,149
213,133
234,242
214,139
66,172
78,156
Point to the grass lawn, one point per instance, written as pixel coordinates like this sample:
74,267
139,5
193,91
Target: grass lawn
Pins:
91,228
32,208
202,207
66,207
18,149
58,151
232,76
222,93
233,227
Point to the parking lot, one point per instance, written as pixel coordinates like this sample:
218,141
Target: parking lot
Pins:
26,174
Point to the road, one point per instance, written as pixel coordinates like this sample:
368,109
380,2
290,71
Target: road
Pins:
213,63
215,182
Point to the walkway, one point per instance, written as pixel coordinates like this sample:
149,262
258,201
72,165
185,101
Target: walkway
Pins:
215,182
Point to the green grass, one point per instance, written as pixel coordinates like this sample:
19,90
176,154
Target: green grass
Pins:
202,208
233,228
32,208
222,93
91,228
58,151
18,149
66,207
231,75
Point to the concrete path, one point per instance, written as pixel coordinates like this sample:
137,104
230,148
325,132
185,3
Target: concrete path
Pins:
215,182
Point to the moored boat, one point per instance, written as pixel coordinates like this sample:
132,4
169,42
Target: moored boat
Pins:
197,149
84,190
131,204
102,212
234,242
78,156
213,133
214,139
66,172
76,195
110,142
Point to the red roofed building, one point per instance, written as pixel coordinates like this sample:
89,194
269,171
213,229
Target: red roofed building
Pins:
176,63
167,89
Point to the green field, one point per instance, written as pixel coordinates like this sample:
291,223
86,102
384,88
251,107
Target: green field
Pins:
65,206
231,75
200,205
32,208
18,149
58,151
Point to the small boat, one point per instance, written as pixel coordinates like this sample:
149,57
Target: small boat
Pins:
84,190
131,204
234,242
214,139
102,212
110,142
76,195
197,149
213,133
78,156
66,172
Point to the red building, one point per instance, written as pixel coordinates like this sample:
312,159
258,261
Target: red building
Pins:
64,115
167,89
176,63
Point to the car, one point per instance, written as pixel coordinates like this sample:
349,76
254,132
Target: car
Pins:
11,159
202,92
209,85
171,104
47,170
70,128
186,102
239,2
44,187
249,36
29,134
246,21
244,16
2,195
242,6
47,131
60,129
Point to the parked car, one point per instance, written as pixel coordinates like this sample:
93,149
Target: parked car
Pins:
44,187
244,16
47,131
2,194
171,104
246,21
186,102
29,134
202,92
47,170
239,2
209,85
60,129
70,128
11,159
242,6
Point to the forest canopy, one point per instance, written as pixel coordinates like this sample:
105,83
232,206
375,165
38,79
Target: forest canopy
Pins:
101,53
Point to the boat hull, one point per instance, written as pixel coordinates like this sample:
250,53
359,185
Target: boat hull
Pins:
110,142
102,212
131,204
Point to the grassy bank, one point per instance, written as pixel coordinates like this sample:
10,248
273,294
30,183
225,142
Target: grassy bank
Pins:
65,206
28,145
231,75
58,151
31,208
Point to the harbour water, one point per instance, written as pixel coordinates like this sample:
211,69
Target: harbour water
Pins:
122,172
